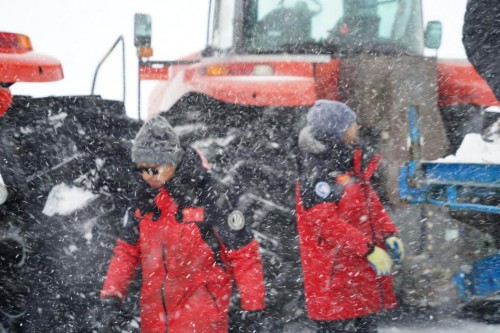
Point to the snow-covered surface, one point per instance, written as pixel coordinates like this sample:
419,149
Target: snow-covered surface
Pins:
64,200
475,150
447,324
443,326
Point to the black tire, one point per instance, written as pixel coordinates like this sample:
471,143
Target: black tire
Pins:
79,141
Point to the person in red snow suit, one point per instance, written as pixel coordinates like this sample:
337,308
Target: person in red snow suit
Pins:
188,239
344,231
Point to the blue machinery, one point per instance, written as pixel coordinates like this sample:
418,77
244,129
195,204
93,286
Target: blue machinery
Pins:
458,187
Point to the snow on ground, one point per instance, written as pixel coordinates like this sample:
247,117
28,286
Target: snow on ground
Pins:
64,200
443,326
447,325
476,150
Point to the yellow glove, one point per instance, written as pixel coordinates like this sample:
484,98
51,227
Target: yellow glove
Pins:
395,247
380,261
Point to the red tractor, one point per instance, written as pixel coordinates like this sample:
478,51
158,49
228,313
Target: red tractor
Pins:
262,56
19,63
46,144
242,99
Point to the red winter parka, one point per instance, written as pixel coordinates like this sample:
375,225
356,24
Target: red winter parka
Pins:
189,257
339,220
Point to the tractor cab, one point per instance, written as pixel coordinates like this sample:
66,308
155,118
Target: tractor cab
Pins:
290,53
367,53
341,27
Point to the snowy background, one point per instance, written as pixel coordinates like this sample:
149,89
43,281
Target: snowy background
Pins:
80,33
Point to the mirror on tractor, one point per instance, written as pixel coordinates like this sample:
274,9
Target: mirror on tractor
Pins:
433,34
142,35
142,30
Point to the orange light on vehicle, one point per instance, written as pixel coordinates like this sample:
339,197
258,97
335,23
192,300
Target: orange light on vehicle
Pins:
24,42
343,179
217,70
14,43
145,52
238,69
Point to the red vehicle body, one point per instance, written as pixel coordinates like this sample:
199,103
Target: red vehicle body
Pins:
19,63
283,55
297,81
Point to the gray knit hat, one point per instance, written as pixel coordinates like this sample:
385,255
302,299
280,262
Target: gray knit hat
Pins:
328,119
157,144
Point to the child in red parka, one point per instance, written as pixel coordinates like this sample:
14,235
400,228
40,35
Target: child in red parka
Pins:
344,231
189,241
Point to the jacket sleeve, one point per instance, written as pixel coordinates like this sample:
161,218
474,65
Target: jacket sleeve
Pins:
122,269
240,244
379,213
336,232
248,273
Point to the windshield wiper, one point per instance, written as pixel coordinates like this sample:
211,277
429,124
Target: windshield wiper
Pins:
372,48
338,49
297,48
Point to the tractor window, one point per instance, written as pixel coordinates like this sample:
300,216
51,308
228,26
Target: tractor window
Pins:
315,25
222,36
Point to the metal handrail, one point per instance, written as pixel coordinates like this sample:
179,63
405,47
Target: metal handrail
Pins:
120,39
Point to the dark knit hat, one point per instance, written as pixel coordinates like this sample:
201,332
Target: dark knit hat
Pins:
328,119
157,144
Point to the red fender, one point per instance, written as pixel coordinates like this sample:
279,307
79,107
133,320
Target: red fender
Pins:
5,100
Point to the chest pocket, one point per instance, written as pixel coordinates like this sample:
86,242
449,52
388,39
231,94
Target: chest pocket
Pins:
191,214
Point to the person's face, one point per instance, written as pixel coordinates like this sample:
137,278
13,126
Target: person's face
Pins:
156,175
351,135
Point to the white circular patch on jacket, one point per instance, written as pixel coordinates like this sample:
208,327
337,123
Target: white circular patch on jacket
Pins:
322,189
236,220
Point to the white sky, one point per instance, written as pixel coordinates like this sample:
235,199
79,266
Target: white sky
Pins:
80,32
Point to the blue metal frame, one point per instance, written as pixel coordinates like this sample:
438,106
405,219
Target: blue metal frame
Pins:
481,279
451,185
455,186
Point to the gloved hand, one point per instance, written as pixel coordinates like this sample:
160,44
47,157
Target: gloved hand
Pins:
111,308
143,200
251,322
129,231
395,247
380,261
